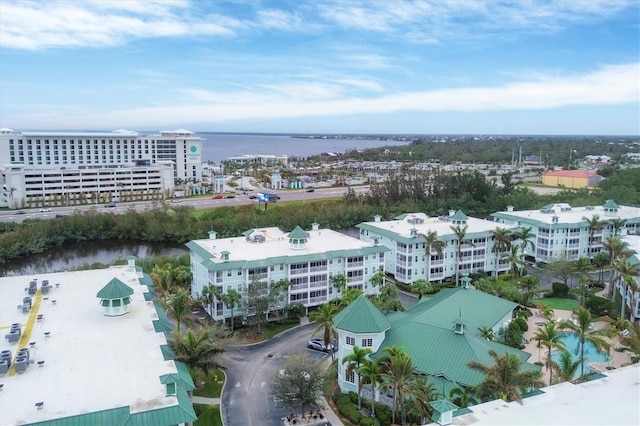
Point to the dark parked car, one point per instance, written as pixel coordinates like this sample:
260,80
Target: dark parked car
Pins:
318,345
21,212
110,204
310,190
59,215
230,196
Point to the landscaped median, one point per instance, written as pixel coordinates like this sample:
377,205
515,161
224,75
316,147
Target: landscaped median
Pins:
211,387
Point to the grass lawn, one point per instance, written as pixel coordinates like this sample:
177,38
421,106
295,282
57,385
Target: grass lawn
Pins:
208,415
251,335
211,387
558,303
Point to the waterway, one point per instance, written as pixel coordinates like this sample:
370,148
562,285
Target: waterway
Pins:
87,252
218,147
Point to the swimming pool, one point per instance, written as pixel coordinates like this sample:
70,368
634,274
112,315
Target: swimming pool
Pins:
572,343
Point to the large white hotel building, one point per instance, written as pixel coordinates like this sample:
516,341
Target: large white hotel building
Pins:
68,168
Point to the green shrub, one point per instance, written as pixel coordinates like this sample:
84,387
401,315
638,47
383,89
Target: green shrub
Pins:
383,414
366,421
560,289
522,324
599,306
353,396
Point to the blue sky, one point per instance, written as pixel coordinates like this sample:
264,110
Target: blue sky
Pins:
320,66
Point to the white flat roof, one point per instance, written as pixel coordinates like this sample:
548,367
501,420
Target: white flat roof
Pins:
277,244
611,400
92,362
403,227
575,215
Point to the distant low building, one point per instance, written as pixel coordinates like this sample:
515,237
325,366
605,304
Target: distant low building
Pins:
575,179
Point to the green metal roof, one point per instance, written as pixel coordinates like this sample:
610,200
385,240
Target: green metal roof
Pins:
185,377
442,405
115,289
610,204
361,316
182,412
476,308
441,352
298,234
459,216
162,324
167,352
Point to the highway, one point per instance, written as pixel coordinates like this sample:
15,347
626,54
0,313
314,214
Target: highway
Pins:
201,202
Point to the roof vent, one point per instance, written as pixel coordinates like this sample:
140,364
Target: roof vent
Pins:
589,208
415,220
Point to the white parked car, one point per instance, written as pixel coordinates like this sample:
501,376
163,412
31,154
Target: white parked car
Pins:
44,210
318,345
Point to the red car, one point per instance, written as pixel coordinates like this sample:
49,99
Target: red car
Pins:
218,197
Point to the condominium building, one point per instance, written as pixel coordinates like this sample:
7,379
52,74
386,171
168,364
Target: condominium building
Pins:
259,160
409,260
89,348
61,168
307,259
560,231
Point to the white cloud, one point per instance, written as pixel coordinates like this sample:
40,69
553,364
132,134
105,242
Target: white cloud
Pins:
36,25
613,84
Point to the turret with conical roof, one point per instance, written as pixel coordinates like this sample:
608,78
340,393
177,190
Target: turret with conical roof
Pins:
115,298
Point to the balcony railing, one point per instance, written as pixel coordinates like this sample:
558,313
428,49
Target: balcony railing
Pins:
355,264
299,271
317,299
318,268
318,284
299,287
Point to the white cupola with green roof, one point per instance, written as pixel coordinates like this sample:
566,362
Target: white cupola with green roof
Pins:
115,298
459,218
298,239
610,208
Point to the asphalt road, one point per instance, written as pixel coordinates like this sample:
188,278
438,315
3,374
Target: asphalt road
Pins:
197,203
246,397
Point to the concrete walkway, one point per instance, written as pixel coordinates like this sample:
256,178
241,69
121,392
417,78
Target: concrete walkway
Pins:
206,401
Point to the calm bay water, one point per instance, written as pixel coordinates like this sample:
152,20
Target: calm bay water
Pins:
219,146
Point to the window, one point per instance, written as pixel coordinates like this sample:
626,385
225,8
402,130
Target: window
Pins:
367,343
351,376
351,341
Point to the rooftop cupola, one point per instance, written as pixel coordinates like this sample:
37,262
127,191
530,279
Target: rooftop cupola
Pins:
459,324
459,218
610,208
298,239
115,298
212,234
225,255
443,411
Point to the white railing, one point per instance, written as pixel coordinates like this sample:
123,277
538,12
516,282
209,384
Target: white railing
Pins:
299,271
317,299
318,284
318,268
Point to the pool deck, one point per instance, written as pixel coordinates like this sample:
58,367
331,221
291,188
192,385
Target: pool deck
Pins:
617,359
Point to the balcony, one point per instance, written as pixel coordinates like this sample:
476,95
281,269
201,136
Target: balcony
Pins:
317,300
318,268
319,284
299,271
299,287
351,265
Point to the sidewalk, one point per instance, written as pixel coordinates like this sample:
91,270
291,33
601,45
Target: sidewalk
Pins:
203,400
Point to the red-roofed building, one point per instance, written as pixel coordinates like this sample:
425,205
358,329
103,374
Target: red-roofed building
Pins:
572,179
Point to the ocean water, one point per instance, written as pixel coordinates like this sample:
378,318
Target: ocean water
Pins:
218,147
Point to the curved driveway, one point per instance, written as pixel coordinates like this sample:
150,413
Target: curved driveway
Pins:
246,397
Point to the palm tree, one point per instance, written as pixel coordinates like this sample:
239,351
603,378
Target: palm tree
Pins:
524,235
566,367
617,224
179,306
547,312
548,336
197,349
422,392
600,260
354,361
626,273
372,371
231,299
463,396
460,232
594,225
529,284
432,243
586,333
514,260
504,377
617,249
398,376
502,238
324,317
486,333
421,287
208,297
